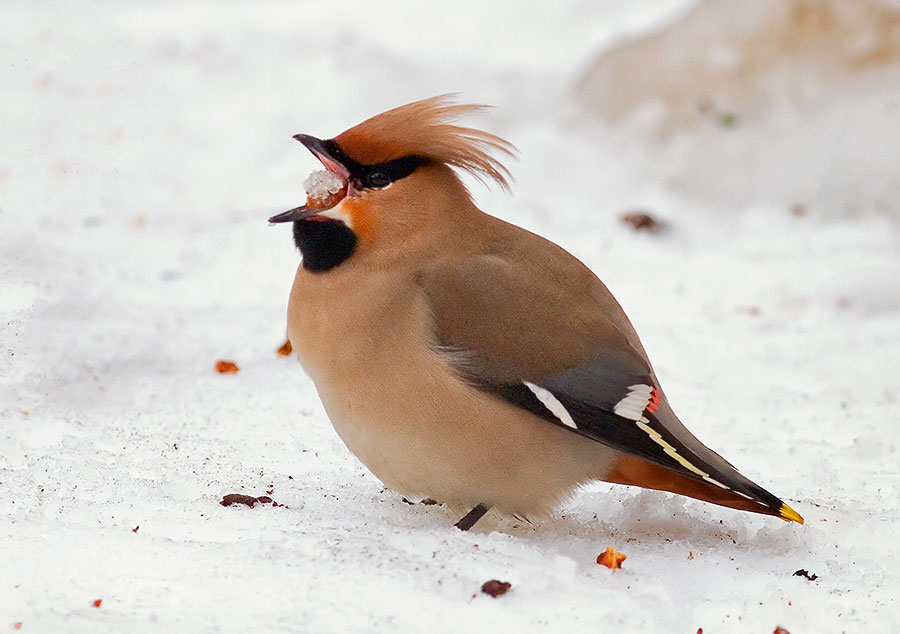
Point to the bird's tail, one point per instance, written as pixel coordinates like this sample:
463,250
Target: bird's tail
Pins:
749,496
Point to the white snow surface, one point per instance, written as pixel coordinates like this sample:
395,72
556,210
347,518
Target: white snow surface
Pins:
142,147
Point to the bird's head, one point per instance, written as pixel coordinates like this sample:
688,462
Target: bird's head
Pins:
389,179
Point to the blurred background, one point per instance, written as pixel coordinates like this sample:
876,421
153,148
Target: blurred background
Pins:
755,145
134,131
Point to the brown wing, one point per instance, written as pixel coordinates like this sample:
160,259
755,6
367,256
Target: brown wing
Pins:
543,333
527,308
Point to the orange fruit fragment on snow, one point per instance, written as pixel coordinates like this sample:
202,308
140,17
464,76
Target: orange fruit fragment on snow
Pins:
97,603
286,349
226,367
611,559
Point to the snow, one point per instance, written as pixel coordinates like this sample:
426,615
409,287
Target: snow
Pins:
321,183
142,149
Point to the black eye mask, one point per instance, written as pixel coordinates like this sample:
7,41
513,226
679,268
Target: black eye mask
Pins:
374,176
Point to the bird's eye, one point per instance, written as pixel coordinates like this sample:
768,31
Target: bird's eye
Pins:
378,179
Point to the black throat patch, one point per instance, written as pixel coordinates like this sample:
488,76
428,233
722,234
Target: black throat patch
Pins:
323,243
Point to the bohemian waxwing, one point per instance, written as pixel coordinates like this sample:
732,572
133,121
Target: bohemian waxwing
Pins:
463,358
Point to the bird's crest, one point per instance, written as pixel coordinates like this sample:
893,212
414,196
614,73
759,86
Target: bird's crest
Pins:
425,128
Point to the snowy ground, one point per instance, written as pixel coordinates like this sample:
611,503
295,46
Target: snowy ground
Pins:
143,146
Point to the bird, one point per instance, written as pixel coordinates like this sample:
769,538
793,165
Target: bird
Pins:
462,358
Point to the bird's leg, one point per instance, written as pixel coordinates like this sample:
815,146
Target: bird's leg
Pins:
470,518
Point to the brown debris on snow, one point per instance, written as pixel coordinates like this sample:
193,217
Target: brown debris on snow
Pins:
495,588
642,221
248,500
806,574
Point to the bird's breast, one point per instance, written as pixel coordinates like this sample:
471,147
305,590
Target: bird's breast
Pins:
365,344
338,319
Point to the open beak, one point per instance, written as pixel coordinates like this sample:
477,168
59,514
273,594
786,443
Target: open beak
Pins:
331,158
294,215
334,160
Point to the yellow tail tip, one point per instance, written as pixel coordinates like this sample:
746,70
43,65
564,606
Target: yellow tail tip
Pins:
789,515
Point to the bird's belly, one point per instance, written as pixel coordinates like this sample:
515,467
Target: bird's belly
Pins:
424,433
400,408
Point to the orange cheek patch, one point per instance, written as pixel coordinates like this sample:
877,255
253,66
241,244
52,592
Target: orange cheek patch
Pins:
362,220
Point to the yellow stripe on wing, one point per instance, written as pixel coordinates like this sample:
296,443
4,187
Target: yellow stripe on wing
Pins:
656,437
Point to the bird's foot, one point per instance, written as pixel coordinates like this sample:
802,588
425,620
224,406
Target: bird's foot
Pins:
470,518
